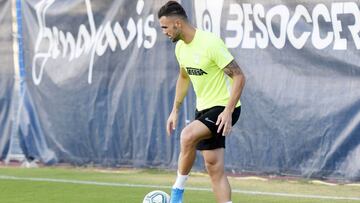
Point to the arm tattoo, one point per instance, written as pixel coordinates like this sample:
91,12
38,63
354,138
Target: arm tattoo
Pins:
178,104
232,69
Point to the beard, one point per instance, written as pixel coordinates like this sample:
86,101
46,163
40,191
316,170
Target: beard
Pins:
175,39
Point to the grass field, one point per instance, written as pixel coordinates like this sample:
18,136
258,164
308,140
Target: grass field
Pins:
83,185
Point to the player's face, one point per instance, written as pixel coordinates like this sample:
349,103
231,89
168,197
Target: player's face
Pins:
171,27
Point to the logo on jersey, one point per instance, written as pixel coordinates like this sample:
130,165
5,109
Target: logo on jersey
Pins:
197,58
195,71
208,15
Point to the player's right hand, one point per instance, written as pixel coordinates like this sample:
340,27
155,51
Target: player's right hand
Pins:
171,122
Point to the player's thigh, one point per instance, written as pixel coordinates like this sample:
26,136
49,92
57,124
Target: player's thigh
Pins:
196,131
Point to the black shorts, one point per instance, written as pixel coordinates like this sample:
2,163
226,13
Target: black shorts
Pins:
209,118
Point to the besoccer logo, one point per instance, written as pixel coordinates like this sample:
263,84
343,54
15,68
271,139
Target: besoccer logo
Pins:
208,15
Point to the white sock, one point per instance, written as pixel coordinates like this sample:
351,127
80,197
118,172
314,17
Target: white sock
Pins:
229,202
180,181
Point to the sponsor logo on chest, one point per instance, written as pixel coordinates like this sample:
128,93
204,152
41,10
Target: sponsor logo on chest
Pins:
195,71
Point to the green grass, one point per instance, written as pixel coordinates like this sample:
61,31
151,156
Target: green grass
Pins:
46,192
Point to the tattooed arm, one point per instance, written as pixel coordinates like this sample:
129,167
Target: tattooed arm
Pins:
234,71
225,118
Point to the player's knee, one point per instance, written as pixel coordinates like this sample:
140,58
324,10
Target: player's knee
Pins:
214,167
211,165
187,138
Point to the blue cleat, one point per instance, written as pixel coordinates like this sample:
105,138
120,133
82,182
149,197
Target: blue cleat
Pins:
176,195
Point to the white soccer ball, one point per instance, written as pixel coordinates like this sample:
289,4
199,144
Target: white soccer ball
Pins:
157,196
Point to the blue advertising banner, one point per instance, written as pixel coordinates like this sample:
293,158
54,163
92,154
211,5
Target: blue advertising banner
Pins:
7,79
100,82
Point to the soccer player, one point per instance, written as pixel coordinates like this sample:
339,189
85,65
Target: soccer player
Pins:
218,82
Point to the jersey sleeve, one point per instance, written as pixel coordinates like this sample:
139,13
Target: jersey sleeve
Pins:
220,54
177,54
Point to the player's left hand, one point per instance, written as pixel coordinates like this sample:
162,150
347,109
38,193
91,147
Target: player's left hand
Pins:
224,122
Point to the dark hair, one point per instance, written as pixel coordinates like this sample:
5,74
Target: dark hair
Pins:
172,8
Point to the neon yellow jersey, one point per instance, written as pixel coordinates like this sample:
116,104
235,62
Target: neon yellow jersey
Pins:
204,59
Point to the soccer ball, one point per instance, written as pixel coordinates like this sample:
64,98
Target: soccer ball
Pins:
157,196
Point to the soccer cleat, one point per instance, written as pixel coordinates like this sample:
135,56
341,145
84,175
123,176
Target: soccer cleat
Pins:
176,195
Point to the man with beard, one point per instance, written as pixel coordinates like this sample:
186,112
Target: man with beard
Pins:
218,82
